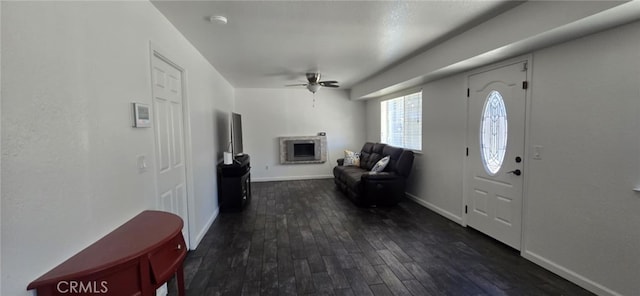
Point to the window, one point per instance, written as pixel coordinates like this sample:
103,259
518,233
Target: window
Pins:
493,133
401,121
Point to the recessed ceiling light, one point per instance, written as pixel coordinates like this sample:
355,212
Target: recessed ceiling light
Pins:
218,19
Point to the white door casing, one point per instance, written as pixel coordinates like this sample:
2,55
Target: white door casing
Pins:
170,167
494,178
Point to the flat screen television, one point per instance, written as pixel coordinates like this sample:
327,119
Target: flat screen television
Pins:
236,134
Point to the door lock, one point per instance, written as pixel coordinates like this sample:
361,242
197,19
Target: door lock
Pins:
515,172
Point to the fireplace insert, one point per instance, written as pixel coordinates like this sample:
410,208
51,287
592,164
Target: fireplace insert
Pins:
303,150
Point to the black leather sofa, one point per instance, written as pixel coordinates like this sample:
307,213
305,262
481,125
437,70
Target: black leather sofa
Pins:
375,189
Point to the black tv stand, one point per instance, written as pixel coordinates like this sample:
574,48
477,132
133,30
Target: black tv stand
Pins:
234,184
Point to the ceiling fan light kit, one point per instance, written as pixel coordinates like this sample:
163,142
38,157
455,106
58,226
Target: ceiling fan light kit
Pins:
314,83
313,87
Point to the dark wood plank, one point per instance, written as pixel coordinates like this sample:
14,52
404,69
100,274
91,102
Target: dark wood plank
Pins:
296,244
285,264
397,251
199,282
323,245
316,264
415,288
287,286
322,283
358,284
270,252
345,259
254,268
269,282
393,283
370,274
380,290
234,282
344,292
334,270
304,280
394,264
424,278
251,288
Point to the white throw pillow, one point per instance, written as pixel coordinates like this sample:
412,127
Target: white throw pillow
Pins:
351,158
381,164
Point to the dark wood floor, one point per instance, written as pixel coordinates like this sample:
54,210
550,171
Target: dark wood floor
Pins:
306,238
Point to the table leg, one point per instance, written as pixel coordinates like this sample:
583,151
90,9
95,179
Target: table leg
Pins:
180,280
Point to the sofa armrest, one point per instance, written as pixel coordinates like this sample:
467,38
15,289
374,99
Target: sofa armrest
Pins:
385,188
379,176
340,161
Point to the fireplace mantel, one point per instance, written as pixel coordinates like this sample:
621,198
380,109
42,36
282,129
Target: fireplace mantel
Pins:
303,149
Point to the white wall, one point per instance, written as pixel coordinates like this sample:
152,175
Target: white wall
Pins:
69,74
271,113
580,211
444,147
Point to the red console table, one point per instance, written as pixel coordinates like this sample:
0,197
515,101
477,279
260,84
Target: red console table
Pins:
135,259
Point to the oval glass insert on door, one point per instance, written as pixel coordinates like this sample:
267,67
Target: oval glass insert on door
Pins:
493,133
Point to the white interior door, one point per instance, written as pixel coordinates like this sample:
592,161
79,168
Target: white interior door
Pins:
494,166
169,140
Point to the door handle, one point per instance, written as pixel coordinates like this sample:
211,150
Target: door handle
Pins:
515,172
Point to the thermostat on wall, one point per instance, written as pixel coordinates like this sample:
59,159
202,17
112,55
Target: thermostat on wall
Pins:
141,115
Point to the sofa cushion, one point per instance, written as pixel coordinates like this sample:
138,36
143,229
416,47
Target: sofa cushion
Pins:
371,153
349,175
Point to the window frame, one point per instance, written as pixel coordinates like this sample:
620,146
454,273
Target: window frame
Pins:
384,115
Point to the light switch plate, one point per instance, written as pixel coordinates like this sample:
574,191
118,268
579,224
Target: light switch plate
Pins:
142,164
537,152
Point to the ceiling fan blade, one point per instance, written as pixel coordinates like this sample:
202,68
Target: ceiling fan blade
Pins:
330,85
303,84
328,82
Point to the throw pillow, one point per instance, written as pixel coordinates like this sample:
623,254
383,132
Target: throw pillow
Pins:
351,158
381,164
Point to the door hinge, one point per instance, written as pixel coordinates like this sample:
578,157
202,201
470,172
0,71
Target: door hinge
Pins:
525,66
468,92
525,84
467,151
465,209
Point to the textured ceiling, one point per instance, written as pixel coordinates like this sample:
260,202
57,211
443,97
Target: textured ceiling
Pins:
268,44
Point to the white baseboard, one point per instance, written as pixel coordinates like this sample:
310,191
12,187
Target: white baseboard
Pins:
204,230
162,291
291,178
435,208
568,274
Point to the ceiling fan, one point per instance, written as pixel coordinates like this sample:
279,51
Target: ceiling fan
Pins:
315,83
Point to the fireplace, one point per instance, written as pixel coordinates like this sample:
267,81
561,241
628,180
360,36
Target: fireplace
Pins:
302,150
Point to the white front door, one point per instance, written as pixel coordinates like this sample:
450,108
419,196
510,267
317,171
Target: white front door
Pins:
494,166
169,140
